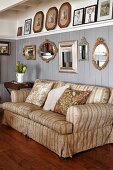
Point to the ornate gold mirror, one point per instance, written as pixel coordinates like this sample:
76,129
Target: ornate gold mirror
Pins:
100,54
47,50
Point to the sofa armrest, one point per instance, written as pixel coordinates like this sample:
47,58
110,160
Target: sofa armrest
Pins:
19,96
90,116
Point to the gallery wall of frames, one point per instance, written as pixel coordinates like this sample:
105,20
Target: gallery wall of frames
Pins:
63,16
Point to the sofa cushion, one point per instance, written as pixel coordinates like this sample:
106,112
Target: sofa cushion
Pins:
111,96
70,98
99,95
52,120
53,96
22,109
39,93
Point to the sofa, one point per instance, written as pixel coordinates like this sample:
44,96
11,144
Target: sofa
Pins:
83,126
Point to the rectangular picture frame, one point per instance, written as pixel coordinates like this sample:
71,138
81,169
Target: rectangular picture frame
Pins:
4,48
105,10
68,56
90,14
27,26
78,17
29,52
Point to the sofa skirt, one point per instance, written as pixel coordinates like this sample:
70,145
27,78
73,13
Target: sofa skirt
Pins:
63,145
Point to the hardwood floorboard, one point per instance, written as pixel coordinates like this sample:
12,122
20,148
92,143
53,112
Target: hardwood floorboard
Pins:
17,152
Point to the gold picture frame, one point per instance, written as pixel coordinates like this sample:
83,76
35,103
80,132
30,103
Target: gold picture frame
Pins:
38,22
5,48
30,52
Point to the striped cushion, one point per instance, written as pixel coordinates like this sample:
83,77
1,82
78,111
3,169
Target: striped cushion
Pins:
22,109
111,96
19,95
52,120
99,95
90,116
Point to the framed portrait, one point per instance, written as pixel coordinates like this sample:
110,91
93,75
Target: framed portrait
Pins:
19,31
105,10
90,14
78,17
30,52
68,56
64,16
51,18
4,48
27,26
38,22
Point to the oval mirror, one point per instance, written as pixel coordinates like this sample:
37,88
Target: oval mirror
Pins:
47,50
100,54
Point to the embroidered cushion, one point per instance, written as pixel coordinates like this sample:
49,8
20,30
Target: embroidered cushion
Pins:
70,98
39,93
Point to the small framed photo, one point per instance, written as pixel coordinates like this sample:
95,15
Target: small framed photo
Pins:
51,18
27,26
90,14
30,52
64,16
38,22
4,48
19,31
105,10
78,17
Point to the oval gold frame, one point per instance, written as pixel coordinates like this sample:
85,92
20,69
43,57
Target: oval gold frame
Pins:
98,42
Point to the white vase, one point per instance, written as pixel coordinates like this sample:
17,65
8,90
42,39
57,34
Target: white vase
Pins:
20,77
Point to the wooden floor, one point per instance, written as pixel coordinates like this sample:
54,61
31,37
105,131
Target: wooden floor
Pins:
17,152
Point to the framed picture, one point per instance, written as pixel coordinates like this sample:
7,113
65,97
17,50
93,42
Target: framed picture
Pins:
105,10
78,16
68,56
19,31
38,22
64,16
30,52
4,48
51,18
90,14
83,49
27,26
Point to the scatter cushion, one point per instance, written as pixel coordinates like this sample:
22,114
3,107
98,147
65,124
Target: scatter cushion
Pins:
111,96
39,93
53,96
99,95
70,98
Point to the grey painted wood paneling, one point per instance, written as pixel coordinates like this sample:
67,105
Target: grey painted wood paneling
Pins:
7,65
87,73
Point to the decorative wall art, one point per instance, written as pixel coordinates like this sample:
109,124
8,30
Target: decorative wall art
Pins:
105,10
27,26
38,22
64,17
78,17
68,56
90,14
19,31
83,49
51,18
30,52
4,48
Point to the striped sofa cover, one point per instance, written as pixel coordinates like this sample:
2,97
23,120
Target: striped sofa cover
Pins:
84,126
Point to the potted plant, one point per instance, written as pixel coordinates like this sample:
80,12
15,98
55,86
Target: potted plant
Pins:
20,71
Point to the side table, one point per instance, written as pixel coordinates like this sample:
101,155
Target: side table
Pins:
17,86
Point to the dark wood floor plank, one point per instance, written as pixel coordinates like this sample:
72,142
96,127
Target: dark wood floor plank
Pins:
17,152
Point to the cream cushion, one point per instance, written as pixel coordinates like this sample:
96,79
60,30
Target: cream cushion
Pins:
111,97
39,93
53,96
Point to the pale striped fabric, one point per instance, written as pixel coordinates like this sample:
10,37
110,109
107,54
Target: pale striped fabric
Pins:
99,95
19,96
63,145
90,116
20,108
52,120
111,96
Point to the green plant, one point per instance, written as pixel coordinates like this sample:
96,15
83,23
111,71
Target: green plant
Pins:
20,67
